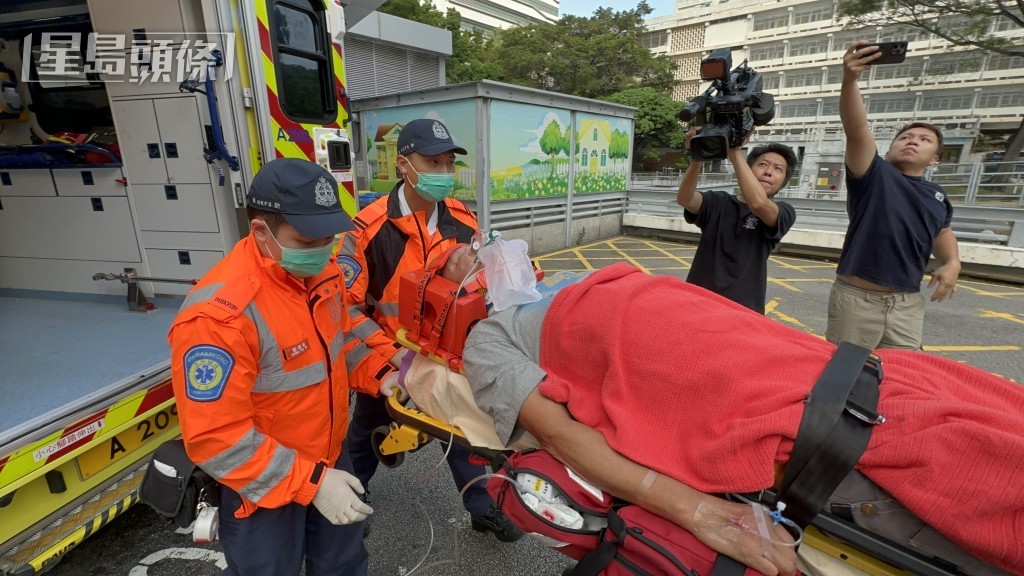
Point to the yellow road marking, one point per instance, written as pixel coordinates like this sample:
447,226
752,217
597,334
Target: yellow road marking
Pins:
627,257
584,260
785,284
1001,315
1008,348
772,309
670,255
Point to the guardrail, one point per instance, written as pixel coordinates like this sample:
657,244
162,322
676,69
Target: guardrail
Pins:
990,183
996,225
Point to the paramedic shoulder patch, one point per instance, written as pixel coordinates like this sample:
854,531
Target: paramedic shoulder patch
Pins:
350,268
207,369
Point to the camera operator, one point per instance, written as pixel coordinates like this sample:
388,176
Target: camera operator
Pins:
739,232
897,219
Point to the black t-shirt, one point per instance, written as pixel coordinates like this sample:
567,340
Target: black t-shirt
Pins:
894,219
732,256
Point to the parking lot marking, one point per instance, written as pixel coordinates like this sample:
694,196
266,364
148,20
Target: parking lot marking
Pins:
772,309
1008,348
579,254
1001,315
668,254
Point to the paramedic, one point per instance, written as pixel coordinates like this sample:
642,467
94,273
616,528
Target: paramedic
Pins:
261,385
401,232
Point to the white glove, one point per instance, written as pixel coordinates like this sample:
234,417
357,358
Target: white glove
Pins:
389,385
336,498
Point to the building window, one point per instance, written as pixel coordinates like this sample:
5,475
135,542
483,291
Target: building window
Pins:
1004,62
842,40
1000,99
902,33
819,14
604,157
305,79
830,106
655,39
771,51
909,69
815,45
958,63
801,79
595,137
940,101
777,19
798,109
770,82
1002,24
834,75
890,104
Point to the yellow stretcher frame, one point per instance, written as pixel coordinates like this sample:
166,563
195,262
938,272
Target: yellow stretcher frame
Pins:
411,429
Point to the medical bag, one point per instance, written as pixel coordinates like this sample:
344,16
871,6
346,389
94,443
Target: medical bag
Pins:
609,537
175,486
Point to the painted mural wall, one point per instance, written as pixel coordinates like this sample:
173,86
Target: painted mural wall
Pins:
602,153
380,133
529,151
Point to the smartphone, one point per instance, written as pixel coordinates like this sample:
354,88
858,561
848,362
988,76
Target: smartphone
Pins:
892,52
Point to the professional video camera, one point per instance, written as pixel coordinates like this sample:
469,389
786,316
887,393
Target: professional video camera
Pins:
728,109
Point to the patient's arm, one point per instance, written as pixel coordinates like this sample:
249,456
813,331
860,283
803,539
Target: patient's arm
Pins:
714,521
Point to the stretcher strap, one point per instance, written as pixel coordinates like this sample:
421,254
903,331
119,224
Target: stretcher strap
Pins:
403,369
834,431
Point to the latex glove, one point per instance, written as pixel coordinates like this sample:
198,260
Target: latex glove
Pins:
396,359
389,386
337,498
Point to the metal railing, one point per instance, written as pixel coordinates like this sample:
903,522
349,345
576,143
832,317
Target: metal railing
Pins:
989,184
988,224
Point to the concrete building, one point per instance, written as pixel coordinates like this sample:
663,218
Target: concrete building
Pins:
490,14
798,46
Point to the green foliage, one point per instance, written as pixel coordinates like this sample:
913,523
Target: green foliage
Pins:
964,23
656,123
552,139
592,57
472,53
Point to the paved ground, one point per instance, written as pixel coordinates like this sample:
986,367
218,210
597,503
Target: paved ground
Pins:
983,325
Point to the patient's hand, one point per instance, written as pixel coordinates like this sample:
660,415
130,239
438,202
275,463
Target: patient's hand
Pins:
731,529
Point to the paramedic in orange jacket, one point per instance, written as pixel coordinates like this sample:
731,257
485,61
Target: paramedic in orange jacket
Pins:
396,234
259,375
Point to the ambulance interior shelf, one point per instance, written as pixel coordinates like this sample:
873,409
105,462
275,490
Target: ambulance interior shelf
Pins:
57,155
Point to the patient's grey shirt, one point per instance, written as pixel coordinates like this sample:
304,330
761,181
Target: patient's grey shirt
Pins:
502,357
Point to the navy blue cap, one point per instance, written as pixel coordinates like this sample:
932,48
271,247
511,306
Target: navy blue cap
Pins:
427,137
304,193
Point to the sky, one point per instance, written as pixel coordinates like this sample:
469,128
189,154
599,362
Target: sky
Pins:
587,7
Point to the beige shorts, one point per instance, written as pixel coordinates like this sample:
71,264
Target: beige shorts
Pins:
874,319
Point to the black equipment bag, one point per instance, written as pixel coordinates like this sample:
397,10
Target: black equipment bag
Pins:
174,485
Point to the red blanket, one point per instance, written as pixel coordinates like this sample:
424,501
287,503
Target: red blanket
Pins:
707,392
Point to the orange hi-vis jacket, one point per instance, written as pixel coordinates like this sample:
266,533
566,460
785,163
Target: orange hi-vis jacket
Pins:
385,245
258,370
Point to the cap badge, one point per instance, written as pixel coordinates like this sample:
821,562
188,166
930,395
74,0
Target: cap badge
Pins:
439,132
325,195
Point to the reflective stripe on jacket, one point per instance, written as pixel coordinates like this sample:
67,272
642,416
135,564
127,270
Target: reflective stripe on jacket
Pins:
258,370
385,245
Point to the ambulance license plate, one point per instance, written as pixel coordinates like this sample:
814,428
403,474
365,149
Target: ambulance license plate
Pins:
128,441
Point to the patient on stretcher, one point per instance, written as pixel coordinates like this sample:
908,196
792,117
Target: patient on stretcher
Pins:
624,372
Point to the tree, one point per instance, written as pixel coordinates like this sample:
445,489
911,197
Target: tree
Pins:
965,23
472,53
656,122
552,141
593,57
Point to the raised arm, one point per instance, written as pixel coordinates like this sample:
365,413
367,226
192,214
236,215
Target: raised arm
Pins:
714,521
688,196
753,192
860,142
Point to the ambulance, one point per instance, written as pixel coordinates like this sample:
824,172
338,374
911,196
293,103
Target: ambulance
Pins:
129,133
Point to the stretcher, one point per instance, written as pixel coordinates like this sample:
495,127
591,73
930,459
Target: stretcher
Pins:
435,324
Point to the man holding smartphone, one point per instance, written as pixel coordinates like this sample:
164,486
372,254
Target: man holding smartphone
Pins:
897,220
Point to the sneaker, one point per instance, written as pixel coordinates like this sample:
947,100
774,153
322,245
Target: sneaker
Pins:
496,522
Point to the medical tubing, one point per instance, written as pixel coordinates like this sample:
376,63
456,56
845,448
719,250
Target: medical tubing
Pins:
760,511
430,544
455,533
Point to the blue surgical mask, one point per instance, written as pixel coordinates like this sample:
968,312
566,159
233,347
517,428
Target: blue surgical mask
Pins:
303,262
434,187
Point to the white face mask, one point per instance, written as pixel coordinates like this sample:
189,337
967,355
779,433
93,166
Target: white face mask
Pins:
510,277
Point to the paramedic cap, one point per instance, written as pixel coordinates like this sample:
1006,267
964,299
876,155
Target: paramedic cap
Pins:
304,193
427,137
